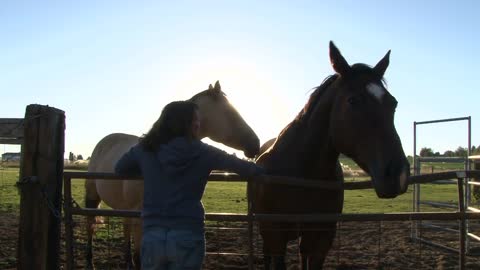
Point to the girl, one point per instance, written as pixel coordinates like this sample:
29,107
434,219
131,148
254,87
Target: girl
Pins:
175,165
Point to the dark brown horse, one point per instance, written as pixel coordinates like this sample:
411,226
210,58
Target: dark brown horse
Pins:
352,113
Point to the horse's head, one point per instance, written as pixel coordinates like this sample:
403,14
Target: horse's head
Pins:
362,124
221,122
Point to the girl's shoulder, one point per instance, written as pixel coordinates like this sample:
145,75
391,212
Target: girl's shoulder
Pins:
205,146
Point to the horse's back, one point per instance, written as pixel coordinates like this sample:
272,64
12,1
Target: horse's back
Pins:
116,194
109,150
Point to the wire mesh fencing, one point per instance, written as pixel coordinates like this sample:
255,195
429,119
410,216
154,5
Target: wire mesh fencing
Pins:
108,243
357,245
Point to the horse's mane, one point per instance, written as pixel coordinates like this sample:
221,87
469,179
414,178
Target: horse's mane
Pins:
310,105
314,97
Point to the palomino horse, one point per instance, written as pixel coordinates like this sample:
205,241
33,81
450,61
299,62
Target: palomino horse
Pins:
352,113
219,121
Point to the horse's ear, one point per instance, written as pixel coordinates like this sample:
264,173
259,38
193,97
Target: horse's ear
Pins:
217,86
382,65
210,87
339,64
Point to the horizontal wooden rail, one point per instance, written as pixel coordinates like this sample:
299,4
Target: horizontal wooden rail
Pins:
137,213
293,181
112,176
290,181
300,218
297,218
11,130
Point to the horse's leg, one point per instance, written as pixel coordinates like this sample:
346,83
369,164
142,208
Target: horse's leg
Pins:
137,242
274,249
278,262
304,262
314,247
127,226
92,200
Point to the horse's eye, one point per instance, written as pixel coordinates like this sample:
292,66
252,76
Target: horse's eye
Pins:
352,100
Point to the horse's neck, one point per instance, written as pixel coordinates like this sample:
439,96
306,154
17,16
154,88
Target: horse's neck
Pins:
306,156
303,148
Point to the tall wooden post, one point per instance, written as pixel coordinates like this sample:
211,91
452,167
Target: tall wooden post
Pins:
40,188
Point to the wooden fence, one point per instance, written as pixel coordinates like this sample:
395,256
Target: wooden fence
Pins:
461,215
42,135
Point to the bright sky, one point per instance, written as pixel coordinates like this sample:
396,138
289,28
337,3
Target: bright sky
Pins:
112,65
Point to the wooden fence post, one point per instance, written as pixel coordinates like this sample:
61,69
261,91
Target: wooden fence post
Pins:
40,185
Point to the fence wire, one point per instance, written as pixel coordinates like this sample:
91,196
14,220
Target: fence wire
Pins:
358,245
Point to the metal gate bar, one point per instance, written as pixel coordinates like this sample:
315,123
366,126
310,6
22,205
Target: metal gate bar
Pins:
465,201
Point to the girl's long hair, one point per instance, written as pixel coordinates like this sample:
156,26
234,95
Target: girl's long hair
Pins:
175,121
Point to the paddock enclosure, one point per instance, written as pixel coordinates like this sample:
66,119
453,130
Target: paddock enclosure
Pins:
47,231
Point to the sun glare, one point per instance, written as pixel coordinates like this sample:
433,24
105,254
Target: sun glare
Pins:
250,89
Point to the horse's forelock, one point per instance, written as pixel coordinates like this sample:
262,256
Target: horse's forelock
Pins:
361,68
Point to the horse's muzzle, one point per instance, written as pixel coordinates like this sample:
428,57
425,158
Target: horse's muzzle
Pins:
393,182
252,149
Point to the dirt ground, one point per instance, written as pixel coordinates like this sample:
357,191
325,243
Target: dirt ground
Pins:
370,245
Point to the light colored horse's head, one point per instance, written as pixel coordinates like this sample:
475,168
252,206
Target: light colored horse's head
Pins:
221,122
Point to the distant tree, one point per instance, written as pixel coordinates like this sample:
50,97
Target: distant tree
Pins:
436,154
449,153
88,158
79,157
72,157
475,150
426,152
461,151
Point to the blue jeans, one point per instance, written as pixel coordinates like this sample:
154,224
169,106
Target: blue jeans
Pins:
170,249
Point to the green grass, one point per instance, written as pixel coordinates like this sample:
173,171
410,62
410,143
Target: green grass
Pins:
350,163
228,197
231,196
365,201
9,196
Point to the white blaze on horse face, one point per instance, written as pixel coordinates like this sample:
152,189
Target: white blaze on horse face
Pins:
376,90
